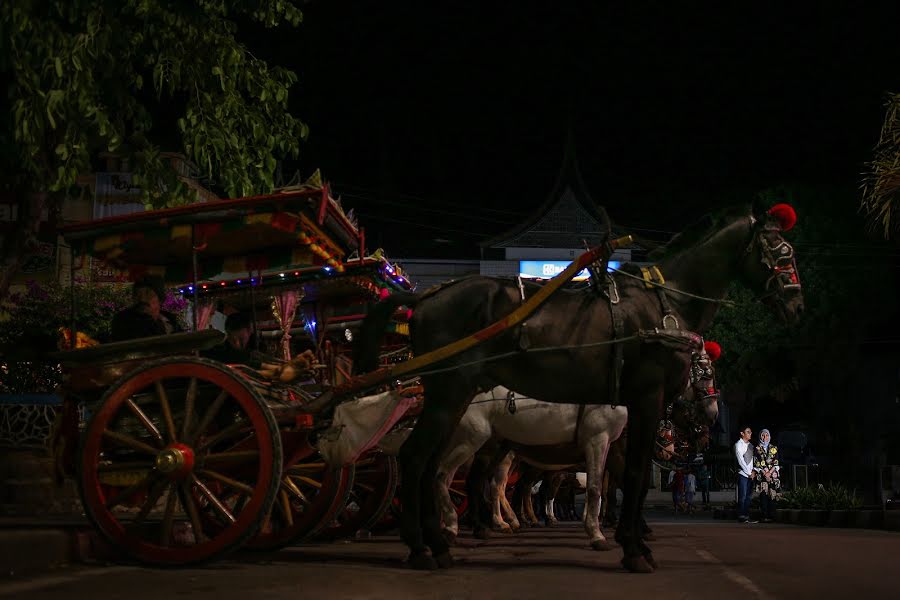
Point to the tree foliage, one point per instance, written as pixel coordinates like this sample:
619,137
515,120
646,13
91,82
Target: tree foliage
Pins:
881,195
93,75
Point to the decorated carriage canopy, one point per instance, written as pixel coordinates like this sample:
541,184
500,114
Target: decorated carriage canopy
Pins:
315,299
303,227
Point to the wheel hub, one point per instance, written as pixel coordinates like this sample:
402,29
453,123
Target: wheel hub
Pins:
176,460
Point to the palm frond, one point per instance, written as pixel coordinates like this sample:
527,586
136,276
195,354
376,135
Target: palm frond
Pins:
881,186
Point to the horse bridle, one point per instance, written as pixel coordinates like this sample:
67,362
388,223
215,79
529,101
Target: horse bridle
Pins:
778,258
667,433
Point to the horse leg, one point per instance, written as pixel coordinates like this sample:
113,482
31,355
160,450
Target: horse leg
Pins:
478,506
419,457
411,459
595,454
498,489
509,514
453,459
642,415
529,502
645,530
552,481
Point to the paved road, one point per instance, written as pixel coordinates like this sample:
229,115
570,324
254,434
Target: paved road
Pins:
699,558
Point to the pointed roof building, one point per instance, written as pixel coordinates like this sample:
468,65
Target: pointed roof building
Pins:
568,218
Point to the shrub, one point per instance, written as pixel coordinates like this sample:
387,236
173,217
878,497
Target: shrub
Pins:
831,497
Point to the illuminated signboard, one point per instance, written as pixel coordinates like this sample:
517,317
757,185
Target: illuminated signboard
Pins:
545,269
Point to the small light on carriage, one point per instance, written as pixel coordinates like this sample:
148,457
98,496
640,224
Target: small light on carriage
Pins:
297,273
281,274
238,281
222,284
191,288
204,286
327,269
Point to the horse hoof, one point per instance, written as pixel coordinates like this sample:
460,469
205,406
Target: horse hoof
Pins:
444,561
481,534
636,564
601,545
504,530
449,537
422,562
648,537
651,561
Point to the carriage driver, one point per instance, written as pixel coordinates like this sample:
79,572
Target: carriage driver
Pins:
233,351
145,317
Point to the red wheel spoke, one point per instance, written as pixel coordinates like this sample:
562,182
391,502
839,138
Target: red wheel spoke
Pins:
231,457
163,398
208,416
238,485
156,492
189,401
213,499
127,440
308,481
306,467
128,492
187,501
284,504
365,487
236,428
145,421
293,490
168,519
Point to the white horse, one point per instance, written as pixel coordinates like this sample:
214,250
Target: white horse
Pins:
534,423
587,429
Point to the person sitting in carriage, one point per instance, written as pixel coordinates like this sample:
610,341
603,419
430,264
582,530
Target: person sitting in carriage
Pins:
234,350
145,317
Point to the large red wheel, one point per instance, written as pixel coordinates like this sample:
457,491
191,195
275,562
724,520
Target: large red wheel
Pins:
180,462
374,486
309,495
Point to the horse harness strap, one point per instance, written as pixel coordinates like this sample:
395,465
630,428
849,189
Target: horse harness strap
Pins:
653,276
524,340
618,352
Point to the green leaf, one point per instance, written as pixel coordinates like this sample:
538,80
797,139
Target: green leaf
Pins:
59,70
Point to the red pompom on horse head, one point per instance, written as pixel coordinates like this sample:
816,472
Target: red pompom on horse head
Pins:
785,215
713,349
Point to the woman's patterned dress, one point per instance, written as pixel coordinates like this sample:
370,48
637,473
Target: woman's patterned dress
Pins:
765,463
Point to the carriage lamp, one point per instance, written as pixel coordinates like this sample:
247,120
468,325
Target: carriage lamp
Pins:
348,335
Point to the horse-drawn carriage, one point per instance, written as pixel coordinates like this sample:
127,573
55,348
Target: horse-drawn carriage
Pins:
185,458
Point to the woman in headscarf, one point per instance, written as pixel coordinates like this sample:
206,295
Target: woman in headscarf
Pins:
765,463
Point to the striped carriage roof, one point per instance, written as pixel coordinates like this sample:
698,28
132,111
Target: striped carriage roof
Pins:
303,228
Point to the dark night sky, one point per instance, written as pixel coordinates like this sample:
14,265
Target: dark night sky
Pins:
454,119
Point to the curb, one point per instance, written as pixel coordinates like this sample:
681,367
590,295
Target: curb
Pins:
35,550
26,551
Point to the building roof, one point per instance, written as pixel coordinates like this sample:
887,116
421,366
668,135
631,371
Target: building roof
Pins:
568,218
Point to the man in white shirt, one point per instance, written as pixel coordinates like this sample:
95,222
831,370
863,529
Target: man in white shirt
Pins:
743,451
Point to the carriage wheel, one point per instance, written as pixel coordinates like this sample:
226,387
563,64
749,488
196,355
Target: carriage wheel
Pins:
310,494
179,464
370,497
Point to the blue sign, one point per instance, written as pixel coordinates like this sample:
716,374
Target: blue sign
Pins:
546,269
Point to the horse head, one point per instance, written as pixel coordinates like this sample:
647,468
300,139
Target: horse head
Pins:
685,427
769,265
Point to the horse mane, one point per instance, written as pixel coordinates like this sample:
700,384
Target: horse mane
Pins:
698,231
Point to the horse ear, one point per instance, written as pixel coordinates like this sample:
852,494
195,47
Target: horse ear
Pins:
759,209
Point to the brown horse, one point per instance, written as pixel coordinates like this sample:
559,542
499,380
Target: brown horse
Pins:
698,265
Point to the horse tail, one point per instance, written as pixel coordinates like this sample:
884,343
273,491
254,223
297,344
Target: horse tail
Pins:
371,331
